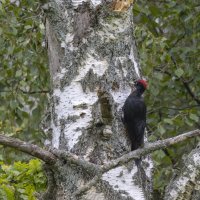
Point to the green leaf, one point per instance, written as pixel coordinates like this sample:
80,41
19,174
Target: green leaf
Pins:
28,27
169,121
179,72
161,129
18,73
9,191
154,10
194,117
155,91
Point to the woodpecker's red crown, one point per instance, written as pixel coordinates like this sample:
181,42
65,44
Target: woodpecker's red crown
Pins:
143,82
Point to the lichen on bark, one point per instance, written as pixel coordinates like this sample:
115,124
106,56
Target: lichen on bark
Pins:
186,184
92,64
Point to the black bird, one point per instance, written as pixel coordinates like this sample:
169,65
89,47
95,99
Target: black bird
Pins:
134,119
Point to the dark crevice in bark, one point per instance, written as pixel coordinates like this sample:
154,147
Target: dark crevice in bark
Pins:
50,193
83,20
90,81
106,103
145,182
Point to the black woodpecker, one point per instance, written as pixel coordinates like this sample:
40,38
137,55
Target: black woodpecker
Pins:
134,118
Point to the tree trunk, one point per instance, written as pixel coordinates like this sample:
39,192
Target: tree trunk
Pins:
186,183
92,60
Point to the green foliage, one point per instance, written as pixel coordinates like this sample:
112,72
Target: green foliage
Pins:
167,34
21,180
24,84
24,79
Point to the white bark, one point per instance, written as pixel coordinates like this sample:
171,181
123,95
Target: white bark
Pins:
92,62
186,184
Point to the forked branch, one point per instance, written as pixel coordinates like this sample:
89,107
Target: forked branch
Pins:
50,157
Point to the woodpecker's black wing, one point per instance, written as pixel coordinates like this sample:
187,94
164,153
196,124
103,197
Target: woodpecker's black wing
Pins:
135,119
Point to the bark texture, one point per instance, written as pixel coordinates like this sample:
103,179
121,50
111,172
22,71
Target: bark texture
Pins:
186,184
92,63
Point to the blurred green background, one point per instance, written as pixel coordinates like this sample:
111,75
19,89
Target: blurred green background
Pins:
24,86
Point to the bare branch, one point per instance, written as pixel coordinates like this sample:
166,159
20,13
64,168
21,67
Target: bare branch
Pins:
50,157
28,148
149,147
171,108
35,92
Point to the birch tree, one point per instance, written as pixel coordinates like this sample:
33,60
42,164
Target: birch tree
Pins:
92,63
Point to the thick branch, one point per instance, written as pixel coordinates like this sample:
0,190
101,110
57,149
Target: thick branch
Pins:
28,148
50,158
